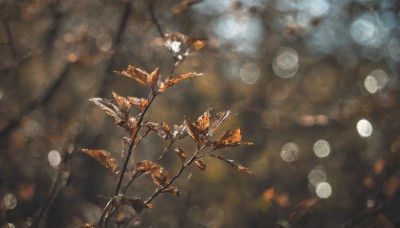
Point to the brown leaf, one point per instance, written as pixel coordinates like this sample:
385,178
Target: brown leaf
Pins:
179,131
144,166
199,44
268,194
121,102
219,119
173,190
104,158
192,130
109,108
140,103
162,129
165,85
231,138
159,175
181,154
137,74
153,77
200,164
234,164
203,122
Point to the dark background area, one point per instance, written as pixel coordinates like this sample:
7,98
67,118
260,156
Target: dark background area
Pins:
314,83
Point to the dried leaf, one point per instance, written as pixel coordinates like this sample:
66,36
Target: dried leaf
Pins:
159,175
173,190
179,131
109,108
137,74
165,85
144,166
199,44
234,164
153,77
192,130
219,119
137,204
181,154
231,138
104,158
203,122
200,164
141,103
121,102
162,129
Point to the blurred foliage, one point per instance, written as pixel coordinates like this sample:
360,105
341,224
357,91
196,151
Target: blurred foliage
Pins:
314,83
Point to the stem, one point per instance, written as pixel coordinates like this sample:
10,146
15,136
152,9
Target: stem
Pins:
133,139
160,190
165,150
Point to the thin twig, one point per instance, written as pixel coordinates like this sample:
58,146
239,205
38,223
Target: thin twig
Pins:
166,150
160,190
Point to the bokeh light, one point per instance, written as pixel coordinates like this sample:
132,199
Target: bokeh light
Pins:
364,30
54,158
289,152
316,176
10,201
286,62
323,190
364,128
322,148
375,81
249,73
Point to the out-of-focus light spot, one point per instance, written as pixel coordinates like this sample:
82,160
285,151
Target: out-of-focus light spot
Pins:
316,176
54,158
363,30
364,128
285,5
249,73
289,152
323,190
244,32
286,62
375,81
394,48
103,42
10,225
72,57
10,201
322,148
69,37
388,19
317,8
370,203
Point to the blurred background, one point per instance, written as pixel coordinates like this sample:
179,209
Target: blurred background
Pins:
314,84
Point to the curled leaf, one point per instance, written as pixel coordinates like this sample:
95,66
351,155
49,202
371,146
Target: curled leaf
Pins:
159,175
181,154
192,130
121,102
231,138
105,158
179,131
153,77
220,118
165,85
200,164
137,74
234,164
140,103
162,129
173,190
203,122
109,108
144,166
